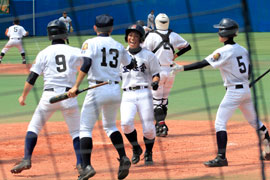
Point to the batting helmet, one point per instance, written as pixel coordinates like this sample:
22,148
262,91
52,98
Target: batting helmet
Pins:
227,27
140,22
57,30
162,21
137,28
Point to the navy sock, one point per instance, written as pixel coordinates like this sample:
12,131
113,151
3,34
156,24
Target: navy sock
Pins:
30,143
118,143
222,143
76,146
86,145
132,138
149,143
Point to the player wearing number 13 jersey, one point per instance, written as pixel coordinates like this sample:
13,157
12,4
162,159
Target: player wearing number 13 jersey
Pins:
58,64
102,58
233,62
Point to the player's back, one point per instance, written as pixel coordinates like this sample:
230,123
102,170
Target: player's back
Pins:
107,55
16,31
59,64
234,65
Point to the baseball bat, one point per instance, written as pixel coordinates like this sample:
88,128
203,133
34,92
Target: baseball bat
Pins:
258,78
64,96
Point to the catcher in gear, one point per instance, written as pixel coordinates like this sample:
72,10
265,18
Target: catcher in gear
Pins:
163,42
137,95
233,62
58,63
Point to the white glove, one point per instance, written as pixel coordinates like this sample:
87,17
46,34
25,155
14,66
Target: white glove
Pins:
176,68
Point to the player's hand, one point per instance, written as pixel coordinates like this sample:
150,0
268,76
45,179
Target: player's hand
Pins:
21,100
176,68
72,92
71,29
154,85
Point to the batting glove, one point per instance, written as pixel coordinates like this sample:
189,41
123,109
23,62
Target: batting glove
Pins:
176,68
154,85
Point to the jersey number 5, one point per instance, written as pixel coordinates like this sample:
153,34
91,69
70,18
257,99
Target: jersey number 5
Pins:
115,54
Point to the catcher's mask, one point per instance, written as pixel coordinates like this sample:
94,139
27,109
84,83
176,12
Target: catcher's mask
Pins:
57,30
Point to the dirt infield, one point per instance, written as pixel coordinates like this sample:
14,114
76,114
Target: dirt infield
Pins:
16,69
178,156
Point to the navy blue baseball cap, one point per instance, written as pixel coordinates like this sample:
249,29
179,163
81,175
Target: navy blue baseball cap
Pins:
104,22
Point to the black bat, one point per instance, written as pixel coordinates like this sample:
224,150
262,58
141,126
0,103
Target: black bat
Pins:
258,78
64,96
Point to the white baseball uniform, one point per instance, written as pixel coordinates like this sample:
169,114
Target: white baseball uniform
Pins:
107,55
150,21
165,56
15,34
58,64
66,20
233,62
137,96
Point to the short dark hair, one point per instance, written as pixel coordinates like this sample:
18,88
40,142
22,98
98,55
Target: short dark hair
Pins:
16,21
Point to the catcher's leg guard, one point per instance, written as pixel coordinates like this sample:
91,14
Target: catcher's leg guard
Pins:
160,117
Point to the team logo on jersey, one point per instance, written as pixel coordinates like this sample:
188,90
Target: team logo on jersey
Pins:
85,46
216,57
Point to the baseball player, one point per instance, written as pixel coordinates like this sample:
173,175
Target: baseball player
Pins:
137,95
58,63
233,62
150,20
15,34
102,58
146,29
68,22
163,42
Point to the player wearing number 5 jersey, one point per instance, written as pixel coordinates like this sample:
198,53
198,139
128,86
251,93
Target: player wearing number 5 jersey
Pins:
102,58
233,62
58,64
15,34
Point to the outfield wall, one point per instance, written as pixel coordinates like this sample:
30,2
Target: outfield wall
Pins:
83,12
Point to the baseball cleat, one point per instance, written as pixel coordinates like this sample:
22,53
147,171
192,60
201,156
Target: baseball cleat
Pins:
124,167
162,130
24,62
217,162
24,164
87,173
136,155
148,159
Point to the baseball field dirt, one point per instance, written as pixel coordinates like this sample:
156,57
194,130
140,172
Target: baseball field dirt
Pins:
179,156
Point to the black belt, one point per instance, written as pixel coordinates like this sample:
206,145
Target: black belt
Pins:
99,82
238,86
16,38
51,89
135,88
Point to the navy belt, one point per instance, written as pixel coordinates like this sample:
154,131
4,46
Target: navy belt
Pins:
99,82
135,88
238,86
51,89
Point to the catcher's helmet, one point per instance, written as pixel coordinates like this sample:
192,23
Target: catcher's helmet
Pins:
227,27
57,30
162,21
140,22
137,28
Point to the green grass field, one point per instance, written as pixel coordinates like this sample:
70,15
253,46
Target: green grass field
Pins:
187,99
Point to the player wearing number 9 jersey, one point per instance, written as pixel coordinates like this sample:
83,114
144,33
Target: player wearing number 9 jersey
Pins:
102,58
233,62
58,64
